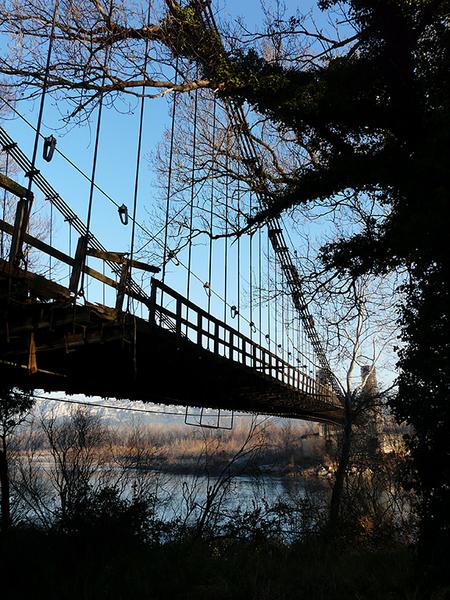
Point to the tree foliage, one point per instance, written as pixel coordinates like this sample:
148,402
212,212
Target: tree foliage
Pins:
423,400
14,407
378,119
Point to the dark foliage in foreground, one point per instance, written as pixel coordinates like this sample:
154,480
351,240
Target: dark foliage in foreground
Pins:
65,566
424,400
116,549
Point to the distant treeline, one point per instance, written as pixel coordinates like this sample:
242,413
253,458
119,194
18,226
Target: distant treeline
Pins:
286,447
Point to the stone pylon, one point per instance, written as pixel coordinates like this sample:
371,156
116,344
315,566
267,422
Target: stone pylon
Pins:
373,417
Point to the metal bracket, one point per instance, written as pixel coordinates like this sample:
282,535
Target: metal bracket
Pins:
209,421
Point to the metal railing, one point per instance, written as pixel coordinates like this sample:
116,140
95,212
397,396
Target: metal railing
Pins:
210,333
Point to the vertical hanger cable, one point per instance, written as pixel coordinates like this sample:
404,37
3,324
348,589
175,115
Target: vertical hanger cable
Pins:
211,205
169,179
191,203
138,157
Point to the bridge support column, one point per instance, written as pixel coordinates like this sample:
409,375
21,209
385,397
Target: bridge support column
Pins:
124,278
152,305
79,262
20,228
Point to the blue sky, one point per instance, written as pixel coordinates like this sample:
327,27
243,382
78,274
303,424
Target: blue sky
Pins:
117,156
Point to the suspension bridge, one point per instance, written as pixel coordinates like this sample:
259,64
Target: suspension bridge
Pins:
80,318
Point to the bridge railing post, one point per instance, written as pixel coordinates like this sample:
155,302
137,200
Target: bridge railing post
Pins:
178,317
216,338
79,262
152,303
199,329
123,284
20,227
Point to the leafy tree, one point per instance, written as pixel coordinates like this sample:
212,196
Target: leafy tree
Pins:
14,407
377,118
423,400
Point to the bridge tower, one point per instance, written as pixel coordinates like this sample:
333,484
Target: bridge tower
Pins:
372,415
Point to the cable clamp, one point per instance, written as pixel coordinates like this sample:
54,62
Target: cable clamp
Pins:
32,172
123,214
234,311
172,255
49,148
9,147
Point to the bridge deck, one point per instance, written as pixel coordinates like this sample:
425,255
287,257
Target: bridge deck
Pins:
181,355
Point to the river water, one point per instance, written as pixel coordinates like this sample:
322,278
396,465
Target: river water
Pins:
179,493
182,496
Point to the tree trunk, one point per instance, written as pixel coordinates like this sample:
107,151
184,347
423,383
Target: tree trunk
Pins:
4,486
344,458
